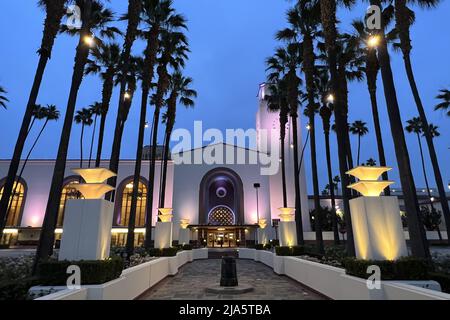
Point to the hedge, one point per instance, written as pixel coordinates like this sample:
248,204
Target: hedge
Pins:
443,279
16,289
297,251
53,272
407,268
165,252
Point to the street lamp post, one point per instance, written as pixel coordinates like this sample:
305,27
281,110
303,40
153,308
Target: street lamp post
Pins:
257,186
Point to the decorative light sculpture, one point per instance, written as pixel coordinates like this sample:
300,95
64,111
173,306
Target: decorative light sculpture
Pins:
94,188
368,184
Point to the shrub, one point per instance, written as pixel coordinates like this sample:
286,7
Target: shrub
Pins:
290,251
53,272
443,279
16,289
268,246
187,247
165,252
407,268
259,246
4,246
169,252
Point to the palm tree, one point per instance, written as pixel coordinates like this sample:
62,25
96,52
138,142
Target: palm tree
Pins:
3,98
55,10
404,18
180,92
444,105
174,48
49,113
329,22
419,244
277,102
371,162
371,70
415,126
158,16
95,19
83,117
360,129
106,62
96,110
133,16
303,21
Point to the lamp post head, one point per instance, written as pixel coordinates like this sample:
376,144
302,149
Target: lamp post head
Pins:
257,185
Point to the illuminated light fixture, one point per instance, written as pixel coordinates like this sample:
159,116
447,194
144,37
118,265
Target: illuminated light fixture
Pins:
126,96
220,229
368,173
308,127
146,125
330,98
94,188
292,146
262,223
89,40
432,199
373,41
58,231
184,223
129,186
94,175
368,184
10,231
287,214
165,214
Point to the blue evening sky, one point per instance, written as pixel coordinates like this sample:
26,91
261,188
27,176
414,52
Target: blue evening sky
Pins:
230,40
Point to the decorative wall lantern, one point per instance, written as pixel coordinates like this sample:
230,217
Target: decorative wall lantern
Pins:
287,214
94,188
262,223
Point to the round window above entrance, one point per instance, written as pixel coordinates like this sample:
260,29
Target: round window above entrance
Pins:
221,216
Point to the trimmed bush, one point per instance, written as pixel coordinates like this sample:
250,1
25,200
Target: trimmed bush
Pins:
443,279
268,246
165,252
259,246
53,272
290,251
4,246
407,268
16,289
187,247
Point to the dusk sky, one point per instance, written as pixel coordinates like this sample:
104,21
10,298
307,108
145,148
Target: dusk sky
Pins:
230,40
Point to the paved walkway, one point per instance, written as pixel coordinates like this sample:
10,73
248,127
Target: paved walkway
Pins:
193,278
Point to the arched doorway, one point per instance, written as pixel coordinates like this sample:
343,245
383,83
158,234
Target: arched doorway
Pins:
68,193
221,193
16,202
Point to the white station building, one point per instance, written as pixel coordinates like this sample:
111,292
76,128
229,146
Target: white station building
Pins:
218,198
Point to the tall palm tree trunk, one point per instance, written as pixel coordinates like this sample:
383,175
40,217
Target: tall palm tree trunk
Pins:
298,203
101,134
430,143
137,173
134,10
81,146
317,207
45,246
419,244
151,180
379,137
51,28
283,172
164,168
328,17
331,184
359,150
92,140
427,185
108,85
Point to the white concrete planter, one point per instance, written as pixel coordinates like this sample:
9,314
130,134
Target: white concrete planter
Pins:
245,253
133,281
335,284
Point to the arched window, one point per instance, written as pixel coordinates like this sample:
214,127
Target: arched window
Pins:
125,193
221,216
68,192
16,204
